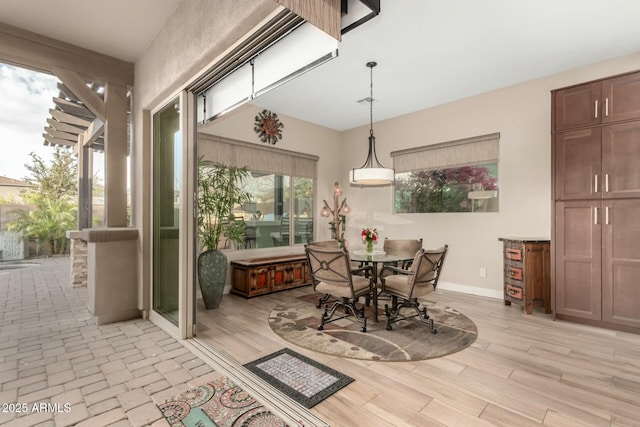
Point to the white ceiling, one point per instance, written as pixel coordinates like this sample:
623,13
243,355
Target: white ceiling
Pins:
429,52
119,28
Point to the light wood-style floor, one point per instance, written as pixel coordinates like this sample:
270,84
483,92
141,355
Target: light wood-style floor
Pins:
523,370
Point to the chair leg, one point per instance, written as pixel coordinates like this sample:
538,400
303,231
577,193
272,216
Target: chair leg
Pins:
349,306
322,299
327,314
393,313
424,317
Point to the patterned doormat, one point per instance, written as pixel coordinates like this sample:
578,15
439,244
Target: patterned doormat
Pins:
219,403
297,319
304,380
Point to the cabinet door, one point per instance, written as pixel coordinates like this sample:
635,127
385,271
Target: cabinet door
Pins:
281,276
621,160
297,273
578,163
259,280
621,263
289,275
577,106
621,98
578,259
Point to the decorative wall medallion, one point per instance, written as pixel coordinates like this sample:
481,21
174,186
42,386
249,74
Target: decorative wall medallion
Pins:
268,127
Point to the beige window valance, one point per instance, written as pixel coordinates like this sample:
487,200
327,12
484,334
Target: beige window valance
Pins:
467,151
258,158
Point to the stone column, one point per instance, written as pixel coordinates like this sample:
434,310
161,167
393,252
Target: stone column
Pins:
78,254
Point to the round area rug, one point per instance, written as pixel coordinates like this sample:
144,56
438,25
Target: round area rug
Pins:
297,321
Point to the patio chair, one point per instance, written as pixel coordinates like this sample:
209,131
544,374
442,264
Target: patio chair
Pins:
359,269
332,275
405,248
406,286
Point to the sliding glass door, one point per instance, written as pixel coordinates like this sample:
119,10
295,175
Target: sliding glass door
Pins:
167,150
173,228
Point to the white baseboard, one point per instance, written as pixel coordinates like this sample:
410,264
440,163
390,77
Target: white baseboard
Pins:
473,290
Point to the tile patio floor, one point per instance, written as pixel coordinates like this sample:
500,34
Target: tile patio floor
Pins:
54,355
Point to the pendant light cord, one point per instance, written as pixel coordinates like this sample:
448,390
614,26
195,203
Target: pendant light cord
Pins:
371,101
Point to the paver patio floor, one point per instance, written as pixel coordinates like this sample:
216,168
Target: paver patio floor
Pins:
59,368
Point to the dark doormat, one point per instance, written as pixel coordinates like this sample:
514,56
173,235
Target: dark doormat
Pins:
304,380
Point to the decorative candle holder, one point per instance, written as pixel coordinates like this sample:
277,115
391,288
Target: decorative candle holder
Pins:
339,213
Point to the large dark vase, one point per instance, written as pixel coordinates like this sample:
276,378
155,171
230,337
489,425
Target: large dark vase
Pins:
212,275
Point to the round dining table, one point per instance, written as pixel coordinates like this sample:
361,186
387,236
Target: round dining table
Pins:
374,259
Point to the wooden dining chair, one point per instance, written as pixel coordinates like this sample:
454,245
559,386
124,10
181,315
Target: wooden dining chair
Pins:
407,285
332,275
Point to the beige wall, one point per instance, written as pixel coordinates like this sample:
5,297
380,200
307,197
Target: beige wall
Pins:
197,33
521,114
12,192
297,135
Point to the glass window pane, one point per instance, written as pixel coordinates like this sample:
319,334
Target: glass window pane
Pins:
268,216
472,188
303,208
167,143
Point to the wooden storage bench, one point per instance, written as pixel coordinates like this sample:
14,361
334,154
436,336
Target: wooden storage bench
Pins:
259,276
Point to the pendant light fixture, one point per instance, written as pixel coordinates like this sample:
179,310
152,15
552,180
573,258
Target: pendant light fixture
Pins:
371,172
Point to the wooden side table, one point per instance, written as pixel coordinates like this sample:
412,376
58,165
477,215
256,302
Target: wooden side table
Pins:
527,273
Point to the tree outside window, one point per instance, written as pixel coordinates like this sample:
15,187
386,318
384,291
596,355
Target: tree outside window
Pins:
472,188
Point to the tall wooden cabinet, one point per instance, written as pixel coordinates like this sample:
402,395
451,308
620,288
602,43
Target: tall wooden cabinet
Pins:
596,190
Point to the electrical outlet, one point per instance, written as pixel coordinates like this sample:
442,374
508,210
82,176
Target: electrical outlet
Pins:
483,272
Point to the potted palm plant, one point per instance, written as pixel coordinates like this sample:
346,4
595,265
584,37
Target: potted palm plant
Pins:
219,190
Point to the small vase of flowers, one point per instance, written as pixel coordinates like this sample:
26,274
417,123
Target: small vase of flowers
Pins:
369,235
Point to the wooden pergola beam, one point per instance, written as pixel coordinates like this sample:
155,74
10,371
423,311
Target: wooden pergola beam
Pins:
63,117
57,142
73,108
61,135
64,127
93,132
84,93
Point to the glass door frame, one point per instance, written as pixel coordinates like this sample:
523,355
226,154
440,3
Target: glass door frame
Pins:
186,240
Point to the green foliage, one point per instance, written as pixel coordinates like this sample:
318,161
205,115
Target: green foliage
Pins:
10,200
57,180
219,190
53,194
49,222
443,190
